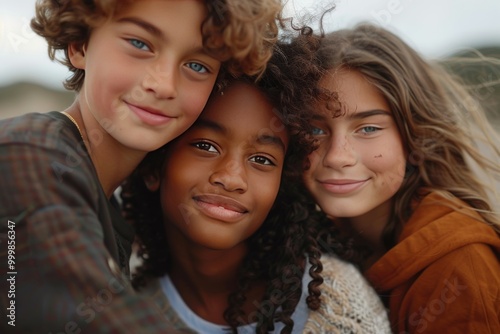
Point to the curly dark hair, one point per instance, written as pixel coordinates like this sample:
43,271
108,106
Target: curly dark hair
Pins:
279,249
305,62
239,33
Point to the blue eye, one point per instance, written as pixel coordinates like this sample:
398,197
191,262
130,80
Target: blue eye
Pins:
197,67
317,132
369,129
138,44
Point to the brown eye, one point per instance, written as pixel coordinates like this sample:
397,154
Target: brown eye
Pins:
262,160
205,146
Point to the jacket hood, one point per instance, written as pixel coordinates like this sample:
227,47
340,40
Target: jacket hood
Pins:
437,227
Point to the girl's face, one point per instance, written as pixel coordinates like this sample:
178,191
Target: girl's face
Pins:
147,76
221,177
360,162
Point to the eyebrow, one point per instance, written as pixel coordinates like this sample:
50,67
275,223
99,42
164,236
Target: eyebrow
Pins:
369,113
206,123
271,140
151,28
264,139
358,115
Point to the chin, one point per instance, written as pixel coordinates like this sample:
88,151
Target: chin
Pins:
220,245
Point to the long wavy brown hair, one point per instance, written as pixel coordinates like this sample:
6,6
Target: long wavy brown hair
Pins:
441,123
239,33
278,251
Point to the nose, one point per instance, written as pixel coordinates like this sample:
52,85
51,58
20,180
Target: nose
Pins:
162,80
230,175
339,153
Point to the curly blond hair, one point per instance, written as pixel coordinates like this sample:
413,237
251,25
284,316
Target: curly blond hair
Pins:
240,33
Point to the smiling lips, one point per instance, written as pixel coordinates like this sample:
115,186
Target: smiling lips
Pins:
342,186
149,116
220,207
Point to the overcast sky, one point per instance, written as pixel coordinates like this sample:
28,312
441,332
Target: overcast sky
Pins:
436,28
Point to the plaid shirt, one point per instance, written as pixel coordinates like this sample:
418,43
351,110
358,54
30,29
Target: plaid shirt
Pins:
68,248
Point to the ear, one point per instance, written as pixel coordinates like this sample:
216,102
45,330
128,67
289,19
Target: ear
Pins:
152,181
76,55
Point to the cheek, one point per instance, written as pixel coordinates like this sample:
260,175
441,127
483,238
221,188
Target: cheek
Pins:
195,98
314,159
390,165
266,195
174,208
105,95
178,177
103,67
311,164
308,177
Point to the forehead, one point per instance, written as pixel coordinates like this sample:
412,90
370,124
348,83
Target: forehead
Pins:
127,5
165,13
343,80
355,91
244,106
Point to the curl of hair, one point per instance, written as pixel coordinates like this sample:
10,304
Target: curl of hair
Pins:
276,251
66,22
239,33
242,33
440,123
279,248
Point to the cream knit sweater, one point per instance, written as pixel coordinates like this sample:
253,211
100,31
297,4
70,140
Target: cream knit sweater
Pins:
348,303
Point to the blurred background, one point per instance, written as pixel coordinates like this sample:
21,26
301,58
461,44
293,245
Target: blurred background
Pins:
438,29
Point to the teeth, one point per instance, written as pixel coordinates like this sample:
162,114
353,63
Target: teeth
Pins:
221,207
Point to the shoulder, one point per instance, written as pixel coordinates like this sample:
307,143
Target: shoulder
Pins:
436,206
344,284
40,129
47,142
464,284
41,141
475,267
153,290
44,164
348,302
437,218
443,226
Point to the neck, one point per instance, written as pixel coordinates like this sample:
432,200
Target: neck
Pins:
208,273
369,227
113,162
206,277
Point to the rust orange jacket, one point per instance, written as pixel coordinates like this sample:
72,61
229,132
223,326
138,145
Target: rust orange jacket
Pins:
443,276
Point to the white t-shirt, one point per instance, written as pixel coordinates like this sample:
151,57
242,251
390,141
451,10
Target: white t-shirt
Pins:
200,325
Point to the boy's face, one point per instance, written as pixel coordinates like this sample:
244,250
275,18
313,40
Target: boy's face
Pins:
222,176
147,77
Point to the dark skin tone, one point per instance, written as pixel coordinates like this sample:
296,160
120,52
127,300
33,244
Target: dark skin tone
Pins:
205,281
225,172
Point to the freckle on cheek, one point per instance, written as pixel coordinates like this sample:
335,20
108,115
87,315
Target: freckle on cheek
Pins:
378,156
